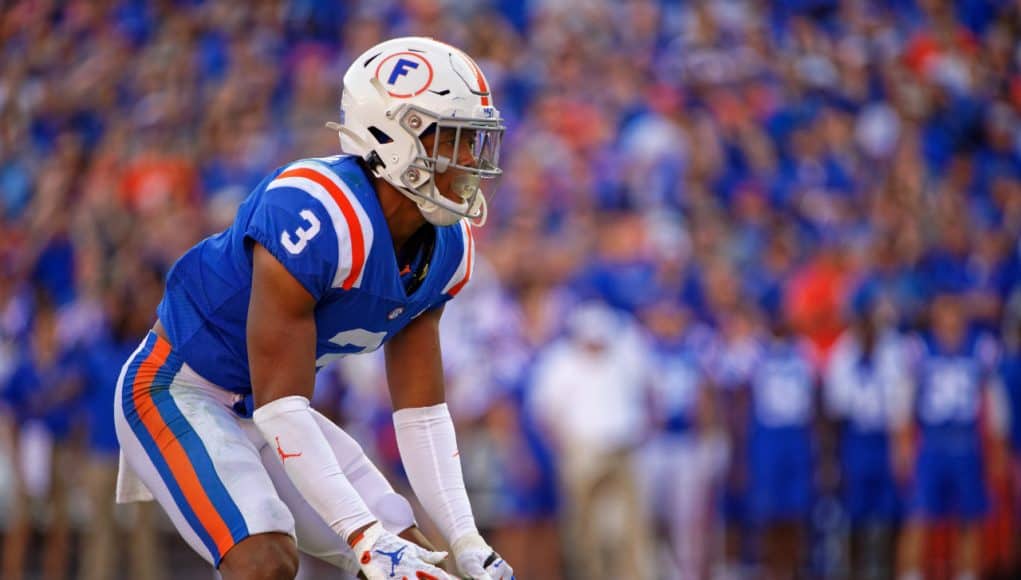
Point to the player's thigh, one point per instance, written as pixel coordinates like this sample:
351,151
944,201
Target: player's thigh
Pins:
187,446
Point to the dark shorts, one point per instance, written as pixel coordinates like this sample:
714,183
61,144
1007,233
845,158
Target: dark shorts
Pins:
949,483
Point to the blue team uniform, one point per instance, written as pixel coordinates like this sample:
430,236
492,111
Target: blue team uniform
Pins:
322,220
101,363
678,383
780,439
1010,373
680,374
949,475
732,368
32,384
864,385
178,414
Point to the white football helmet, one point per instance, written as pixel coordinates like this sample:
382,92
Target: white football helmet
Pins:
403,89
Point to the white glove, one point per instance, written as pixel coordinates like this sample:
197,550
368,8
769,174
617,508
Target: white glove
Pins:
477,561
383,556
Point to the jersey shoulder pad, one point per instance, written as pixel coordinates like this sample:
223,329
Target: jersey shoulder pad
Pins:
462,274
317,226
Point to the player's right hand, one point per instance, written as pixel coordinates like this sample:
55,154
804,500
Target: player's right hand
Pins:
384,556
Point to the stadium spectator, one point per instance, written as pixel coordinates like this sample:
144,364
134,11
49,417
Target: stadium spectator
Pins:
589,397
953,366
780,449
136,291
680,463
733,362
865,380
41,396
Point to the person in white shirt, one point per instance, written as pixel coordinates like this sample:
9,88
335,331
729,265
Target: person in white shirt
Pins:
589,394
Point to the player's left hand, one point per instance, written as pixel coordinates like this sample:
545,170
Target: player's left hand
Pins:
478,561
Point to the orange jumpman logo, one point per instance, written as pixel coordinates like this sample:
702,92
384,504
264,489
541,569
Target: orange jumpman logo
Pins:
285,456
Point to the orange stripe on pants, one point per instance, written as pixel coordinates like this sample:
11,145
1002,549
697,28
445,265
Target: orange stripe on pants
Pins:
173,452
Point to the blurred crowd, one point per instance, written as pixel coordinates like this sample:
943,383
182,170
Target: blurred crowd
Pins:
748,303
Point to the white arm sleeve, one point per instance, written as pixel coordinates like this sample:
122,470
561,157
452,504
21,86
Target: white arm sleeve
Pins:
428,446
392,509
289,426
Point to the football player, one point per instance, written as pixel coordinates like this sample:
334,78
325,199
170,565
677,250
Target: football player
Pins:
953,366
327,257
780,441
865,377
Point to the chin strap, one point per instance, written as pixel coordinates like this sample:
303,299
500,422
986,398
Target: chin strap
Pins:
430,208
480,221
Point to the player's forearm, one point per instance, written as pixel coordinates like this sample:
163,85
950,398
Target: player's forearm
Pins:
389,507
425,436
428,447
289,425
425,431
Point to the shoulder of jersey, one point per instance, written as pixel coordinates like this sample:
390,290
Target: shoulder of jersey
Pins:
328,182
461,233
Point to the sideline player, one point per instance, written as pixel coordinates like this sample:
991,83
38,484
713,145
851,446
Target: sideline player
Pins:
955,400
865,377
327,257
780,484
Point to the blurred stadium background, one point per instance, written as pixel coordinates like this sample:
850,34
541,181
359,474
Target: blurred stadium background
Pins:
700,199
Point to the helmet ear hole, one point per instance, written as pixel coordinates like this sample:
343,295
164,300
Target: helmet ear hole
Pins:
381,137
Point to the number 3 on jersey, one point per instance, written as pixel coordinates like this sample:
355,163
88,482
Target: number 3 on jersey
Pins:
304,235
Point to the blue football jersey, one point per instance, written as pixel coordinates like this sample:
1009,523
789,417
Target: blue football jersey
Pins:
862,389
951,382
676,384
322,220
680,376
780,441
30,386
782,387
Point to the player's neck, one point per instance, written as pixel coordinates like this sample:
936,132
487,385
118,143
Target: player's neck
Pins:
402,215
